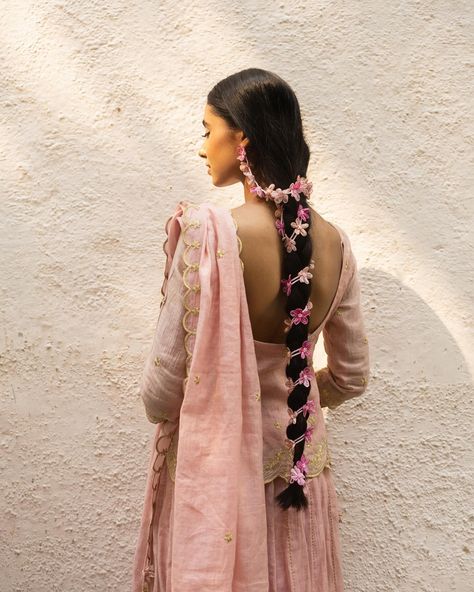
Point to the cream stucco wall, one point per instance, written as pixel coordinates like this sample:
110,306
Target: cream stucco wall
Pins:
100,111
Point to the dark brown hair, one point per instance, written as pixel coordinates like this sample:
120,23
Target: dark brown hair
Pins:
264,106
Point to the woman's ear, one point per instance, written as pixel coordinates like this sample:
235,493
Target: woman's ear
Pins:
242,138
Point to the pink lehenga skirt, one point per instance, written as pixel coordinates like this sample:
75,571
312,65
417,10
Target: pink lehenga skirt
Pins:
304,553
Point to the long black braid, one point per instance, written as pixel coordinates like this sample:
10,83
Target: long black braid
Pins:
265,107
297,334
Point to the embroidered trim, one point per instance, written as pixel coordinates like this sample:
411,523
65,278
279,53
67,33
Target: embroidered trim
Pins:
191,299
281,462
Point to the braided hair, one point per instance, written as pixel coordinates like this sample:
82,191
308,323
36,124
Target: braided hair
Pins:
265,107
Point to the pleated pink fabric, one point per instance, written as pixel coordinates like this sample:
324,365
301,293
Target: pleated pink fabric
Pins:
214,525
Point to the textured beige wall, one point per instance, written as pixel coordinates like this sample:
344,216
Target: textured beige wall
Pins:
100,111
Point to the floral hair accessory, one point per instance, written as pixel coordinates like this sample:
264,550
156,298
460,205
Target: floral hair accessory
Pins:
308,407
299,226
298,472
301,185
305,351
299,315
303,276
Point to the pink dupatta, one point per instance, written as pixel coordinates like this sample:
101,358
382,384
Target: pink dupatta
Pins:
219,539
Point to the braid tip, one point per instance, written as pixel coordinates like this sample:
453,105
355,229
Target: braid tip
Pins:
293,496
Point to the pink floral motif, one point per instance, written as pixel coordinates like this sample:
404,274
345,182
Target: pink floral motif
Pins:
293,415
296,189
305,348
306,375
305,275
258,190
306,186
241,153
303,213
309,433
299,227
300,316
280,226
297,475
287,285
310,406
302,464
290,244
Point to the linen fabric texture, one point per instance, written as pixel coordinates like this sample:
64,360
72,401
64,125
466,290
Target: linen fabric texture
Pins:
219,402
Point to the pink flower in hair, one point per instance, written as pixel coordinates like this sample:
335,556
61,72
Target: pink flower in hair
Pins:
241,151
306,375
302,464
305,348
310,406
290,244
309,433
278,196
258,190
306,186
280,226
299,316
305,275
303,213
296,189
292,415
297,475
299,227
287,285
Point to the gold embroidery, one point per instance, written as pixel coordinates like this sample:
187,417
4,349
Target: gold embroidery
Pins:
220,253
156,418
191,299
281,462
228,537
363,380
366,340
257,396
277,424
157,361
338,311
190,272
197,378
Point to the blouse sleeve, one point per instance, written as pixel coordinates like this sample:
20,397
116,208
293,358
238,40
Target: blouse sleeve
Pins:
345,342
161,387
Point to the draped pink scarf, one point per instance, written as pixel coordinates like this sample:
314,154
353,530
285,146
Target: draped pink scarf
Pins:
219,539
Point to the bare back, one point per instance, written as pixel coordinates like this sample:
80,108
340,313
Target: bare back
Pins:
262,255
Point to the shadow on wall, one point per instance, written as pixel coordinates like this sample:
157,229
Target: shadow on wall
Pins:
401,456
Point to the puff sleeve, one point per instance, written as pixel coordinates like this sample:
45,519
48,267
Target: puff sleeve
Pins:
161,386
345,342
